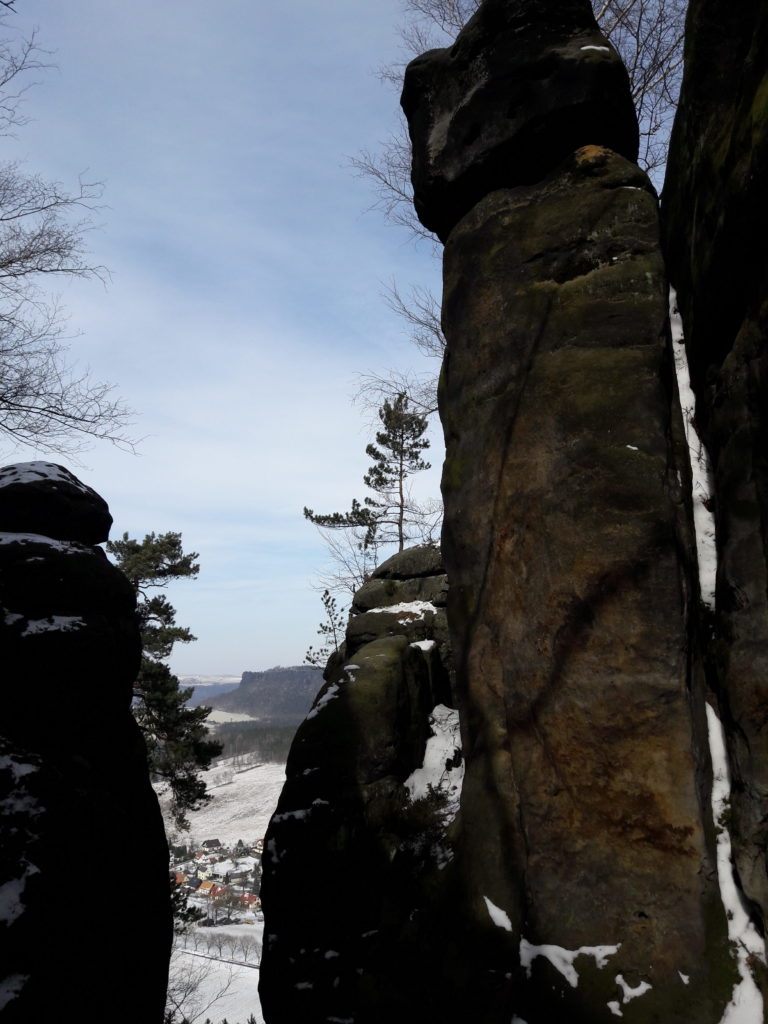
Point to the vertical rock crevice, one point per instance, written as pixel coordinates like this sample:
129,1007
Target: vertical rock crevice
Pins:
715,220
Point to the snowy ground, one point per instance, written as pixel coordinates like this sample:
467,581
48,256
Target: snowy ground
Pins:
240,809
217,717
221,989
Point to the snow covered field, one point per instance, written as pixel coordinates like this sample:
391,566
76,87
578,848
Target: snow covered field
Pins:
240,808
221,989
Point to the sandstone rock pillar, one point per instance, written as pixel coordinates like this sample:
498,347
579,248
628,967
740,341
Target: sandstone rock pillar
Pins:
587,844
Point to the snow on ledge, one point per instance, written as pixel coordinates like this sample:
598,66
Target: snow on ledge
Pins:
562,959
34,472
54,624
415,608
67,546
330,694
423,645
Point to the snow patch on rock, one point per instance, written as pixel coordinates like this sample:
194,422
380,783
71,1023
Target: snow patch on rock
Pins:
10,988
443,767
562,959
34,472
746,1005
499,917
423,645
54,624
701,471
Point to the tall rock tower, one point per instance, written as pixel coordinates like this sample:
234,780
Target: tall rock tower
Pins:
587,842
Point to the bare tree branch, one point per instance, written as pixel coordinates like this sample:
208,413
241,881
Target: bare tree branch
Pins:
373,389
190,993
421,311
45,402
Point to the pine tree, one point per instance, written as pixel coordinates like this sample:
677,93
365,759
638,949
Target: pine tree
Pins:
177,741
397,453
331,630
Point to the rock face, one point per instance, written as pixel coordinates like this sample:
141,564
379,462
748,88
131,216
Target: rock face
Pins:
584,815
515,95
716,221
75,788
585,825
357,847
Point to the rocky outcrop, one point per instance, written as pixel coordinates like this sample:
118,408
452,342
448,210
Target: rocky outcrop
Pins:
716,221
76,797
358,846
515,95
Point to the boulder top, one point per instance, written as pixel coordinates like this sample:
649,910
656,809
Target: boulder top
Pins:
46,498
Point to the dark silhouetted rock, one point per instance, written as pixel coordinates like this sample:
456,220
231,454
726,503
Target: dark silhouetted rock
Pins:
41,497
715,217
524,85
74,784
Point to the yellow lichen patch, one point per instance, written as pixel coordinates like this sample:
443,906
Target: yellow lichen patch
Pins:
590,155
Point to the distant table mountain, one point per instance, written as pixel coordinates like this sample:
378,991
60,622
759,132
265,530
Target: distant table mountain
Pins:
279,696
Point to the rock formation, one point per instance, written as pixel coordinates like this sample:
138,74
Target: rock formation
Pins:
79,814
579,880
351,863
516,94
716,221
585,819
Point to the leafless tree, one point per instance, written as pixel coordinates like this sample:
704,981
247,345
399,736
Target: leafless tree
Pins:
249,948
421,312
191,991
648,35
44,402
351,561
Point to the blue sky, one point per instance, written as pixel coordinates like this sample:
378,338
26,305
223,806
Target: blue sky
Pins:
245,287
